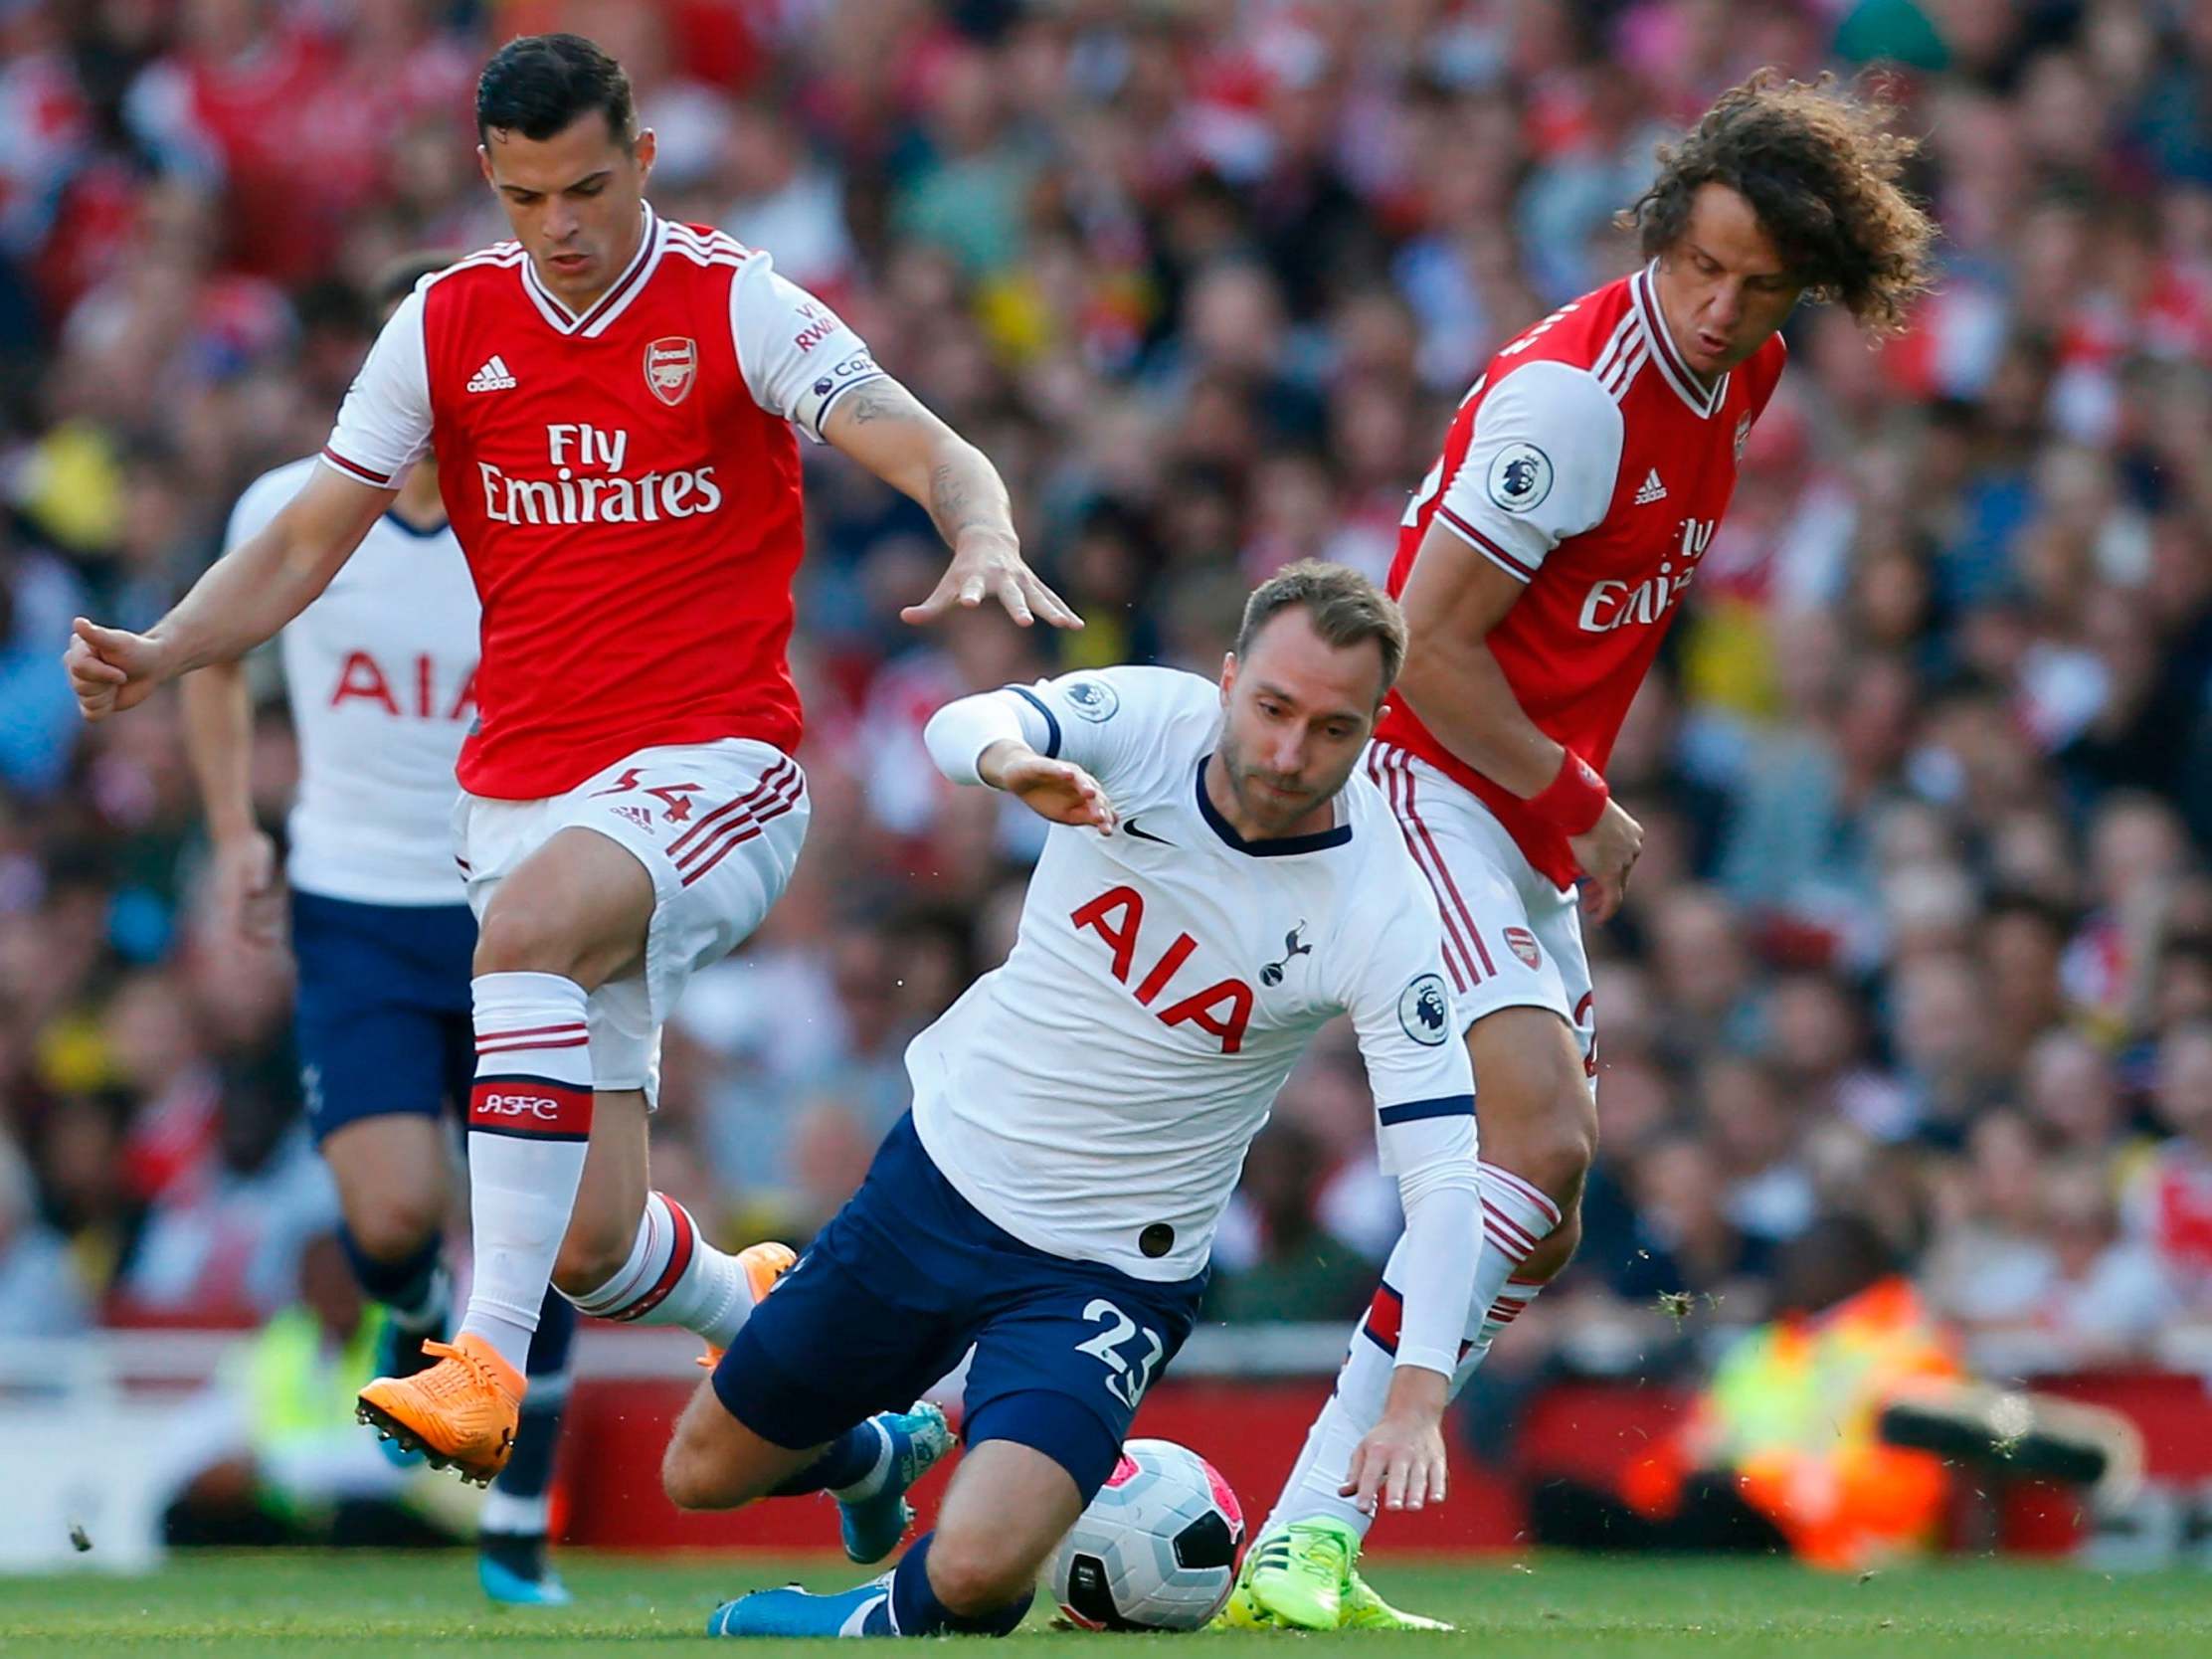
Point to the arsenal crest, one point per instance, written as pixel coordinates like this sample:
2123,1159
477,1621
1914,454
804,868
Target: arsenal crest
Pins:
671,365
1522,942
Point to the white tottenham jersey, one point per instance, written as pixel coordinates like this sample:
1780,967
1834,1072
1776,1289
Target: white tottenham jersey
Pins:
1094,1095
380,671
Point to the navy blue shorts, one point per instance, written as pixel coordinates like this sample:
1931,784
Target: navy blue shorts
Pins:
903,1279
382,1013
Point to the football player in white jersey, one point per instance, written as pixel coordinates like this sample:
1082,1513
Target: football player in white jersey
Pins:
379,675
1218,883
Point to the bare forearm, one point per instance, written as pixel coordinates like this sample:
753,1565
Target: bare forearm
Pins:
972,737
218,740
245,598
965,496
1457,689
1416,1392
992,764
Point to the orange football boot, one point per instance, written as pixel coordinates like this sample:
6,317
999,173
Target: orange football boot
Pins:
765,1265
461,1413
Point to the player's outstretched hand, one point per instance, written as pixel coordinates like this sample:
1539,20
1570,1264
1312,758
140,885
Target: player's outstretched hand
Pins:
110,668
1607,851
1059,792
245,903
1400,1465
991,567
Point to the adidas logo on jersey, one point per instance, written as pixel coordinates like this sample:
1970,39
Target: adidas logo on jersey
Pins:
494,376
1651,490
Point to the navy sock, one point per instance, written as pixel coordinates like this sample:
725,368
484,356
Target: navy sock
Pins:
405,1286
915,1610
845,1460
555,1334
537,1436
529,1471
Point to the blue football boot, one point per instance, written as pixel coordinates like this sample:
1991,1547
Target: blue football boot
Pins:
871,1527
514,1571
864,1611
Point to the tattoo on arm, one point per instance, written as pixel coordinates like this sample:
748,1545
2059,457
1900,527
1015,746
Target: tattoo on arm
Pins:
882,400
949,498
966,493
963,492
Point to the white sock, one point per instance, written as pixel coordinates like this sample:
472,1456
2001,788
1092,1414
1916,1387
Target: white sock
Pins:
530,1126
431,1309
674,1277
870,1484
1507,1307
503,1511
1355,1406
1516,1219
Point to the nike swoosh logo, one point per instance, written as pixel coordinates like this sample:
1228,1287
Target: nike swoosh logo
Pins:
1145,834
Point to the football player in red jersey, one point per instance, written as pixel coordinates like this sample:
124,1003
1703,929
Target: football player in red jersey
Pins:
611,398
1540,566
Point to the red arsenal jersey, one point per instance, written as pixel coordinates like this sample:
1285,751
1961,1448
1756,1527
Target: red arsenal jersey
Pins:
625,486
1591,464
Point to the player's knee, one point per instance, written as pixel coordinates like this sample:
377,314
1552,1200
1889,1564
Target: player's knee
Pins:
974,1571
1550,1142
1549,1259
1558,1150
588,1256
522,939
394,1226
689,1478
696,1475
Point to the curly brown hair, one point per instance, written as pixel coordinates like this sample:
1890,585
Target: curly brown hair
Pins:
1819,168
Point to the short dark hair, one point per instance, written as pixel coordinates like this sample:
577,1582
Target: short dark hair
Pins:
1344,607
537,85
1820,171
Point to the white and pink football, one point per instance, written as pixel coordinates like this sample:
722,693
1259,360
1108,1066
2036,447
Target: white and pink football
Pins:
1157,1547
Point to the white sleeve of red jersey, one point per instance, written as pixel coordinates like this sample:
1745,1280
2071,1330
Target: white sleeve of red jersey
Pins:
799,356
1542,465
383,424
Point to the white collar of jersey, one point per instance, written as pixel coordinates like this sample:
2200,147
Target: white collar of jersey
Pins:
1274,846
1703,401
591,322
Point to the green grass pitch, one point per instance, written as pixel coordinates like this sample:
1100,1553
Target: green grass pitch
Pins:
394,1607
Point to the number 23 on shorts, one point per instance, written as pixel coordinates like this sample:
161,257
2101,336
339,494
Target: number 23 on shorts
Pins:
1126,1382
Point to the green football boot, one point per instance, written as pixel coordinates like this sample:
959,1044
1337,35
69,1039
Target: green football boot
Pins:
1241,1612
1298,1576
1366,1610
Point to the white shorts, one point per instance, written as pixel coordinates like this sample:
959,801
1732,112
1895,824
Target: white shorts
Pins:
1511,938
718,827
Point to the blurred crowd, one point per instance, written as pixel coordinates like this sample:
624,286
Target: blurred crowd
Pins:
1922,929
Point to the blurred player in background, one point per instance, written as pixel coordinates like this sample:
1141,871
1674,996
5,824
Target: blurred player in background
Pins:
1539,565
610,399
1218,883
380,674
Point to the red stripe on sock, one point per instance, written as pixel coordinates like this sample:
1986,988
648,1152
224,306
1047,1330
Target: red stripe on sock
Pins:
561,1029
1534,1195
535,1045
530,1106
680,1258
1511,1239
